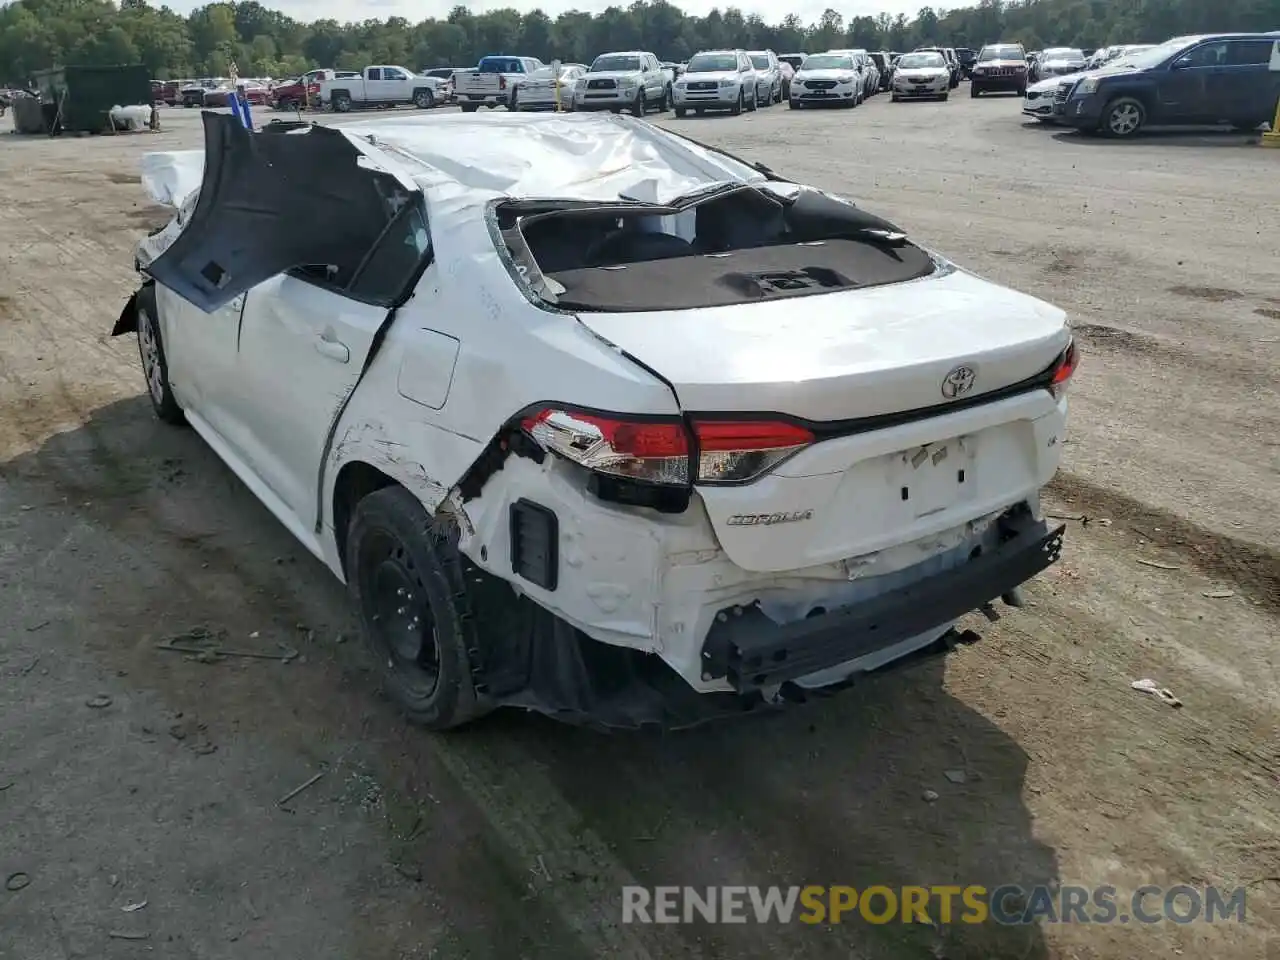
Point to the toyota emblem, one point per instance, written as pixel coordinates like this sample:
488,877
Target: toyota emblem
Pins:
958,382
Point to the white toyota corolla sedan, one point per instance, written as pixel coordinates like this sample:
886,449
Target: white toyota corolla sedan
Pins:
597,421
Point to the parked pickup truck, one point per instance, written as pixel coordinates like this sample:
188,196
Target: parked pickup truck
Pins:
380,86
305,90
491,82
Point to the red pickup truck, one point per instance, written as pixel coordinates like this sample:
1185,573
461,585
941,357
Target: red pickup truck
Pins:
304,91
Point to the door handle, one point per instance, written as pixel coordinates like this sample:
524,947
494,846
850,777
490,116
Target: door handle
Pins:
333,350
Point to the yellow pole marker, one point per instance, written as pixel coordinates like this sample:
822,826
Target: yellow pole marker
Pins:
555,75
1272,137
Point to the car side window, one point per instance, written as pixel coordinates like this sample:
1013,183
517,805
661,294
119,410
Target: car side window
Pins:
1206,55
375,74
394,261
1249,53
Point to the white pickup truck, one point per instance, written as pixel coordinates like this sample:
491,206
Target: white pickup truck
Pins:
491,82
380,86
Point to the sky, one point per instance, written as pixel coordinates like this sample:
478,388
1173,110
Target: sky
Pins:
414,10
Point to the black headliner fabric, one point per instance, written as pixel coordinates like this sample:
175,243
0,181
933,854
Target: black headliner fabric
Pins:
682,283
269,203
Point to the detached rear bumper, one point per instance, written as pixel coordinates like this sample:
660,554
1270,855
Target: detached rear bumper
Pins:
752,652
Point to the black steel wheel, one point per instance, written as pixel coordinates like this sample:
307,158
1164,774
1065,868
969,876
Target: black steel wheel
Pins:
404,573
155,367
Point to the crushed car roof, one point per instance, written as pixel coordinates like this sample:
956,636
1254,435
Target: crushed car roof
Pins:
463,161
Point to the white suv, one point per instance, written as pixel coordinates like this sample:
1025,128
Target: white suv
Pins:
717,80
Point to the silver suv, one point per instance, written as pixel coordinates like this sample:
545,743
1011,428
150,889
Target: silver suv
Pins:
717,80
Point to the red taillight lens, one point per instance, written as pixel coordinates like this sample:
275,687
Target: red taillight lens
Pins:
655,451
658,450
313,88
502,83
1064,370
733,451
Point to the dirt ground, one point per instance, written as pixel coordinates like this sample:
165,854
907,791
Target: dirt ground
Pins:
132,774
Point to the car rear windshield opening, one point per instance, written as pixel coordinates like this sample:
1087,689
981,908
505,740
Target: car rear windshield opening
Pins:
738,247
1001,53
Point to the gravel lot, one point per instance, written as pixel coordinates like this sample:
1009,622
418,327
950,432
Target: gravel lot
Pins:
131,774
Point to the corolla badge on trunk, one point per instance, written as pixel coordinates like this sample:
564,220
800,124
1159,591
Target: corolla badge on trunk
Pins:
768,519
958,382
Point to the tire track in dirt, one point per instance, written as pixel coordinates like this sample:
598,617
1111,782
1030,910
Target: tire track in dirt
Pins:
1235,369
1252,567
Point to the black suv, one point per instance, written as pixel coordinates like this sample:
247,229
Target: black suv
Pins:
1223,78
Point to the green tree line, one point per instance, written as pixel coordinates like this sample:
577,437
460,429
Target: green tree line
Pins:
35,34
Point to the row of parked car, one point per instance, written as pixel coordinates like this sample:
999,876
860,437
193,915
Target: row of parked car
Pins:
1193,80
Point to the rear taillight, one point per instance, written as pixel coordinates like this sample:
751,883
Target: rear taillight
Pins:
1063,370
313,88
661,450
502,83
737,451
652,451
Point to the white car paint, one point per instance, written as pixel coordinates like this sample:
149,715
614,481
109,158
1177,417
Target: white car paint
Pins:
603,86
706,89
470,350
821,83
543,91
920,81
1038,103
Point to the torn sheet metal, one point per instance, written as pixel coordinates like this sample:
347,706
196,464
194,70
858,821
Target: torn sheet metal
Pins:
463,162
270,202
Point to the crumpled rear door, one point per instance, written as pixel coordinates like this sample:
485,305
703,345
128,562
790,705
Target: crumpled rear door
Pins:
270,202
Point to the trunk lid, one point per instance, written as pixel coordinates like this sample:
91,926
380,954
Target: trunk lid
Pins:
927,348
843,355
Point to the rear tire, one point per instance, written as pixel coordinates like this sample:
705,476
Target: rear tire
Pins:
754,104
341,103
680,112
404,573
638,108
155,367
469,107
736,109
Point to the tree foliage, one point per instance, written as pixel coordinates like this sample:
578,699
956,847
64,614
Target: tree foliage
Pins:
35,34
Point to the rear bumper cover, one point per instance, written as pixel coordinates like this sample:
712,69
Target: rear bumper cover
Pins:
752,652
